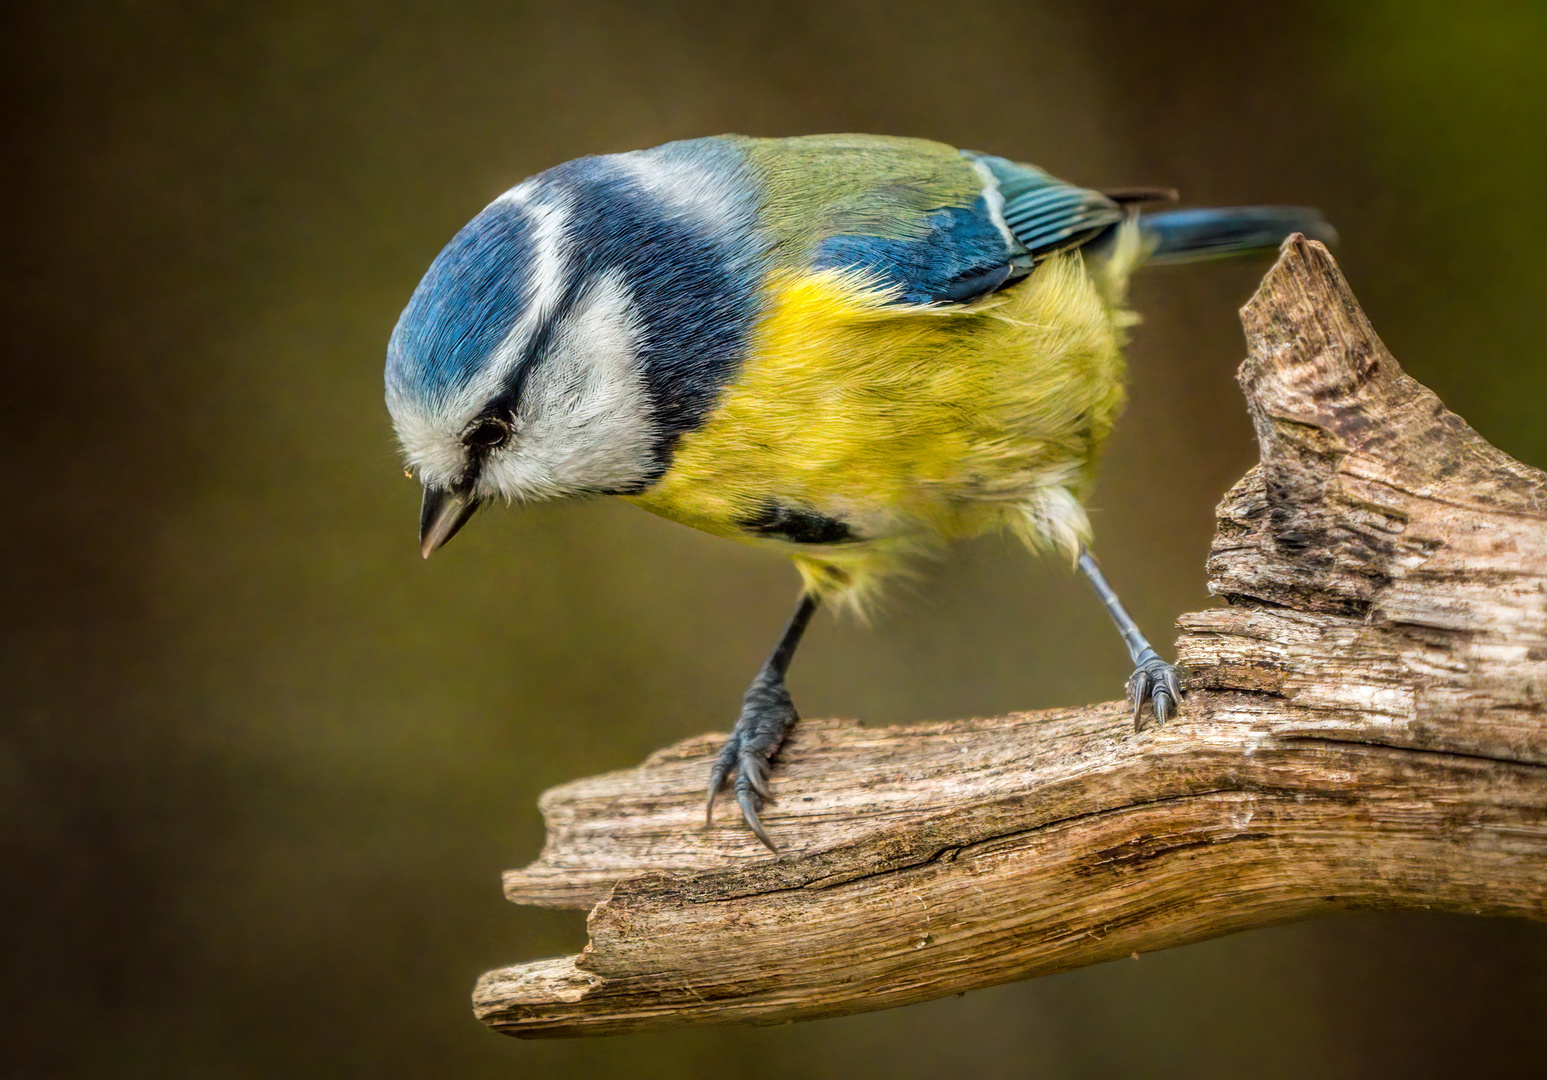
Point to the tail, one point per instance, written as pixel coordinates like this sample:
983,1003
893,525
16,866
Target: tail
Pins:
1178,236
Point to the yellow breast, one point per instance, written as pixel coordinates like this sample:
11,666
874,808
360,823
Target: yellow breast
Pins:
911,425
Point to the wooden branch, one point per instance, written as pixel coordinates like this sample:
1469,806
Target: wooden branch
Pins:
1365,730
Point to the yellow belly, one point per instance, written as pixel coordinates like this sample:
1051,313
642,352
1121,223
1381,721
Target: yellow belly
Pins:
913,425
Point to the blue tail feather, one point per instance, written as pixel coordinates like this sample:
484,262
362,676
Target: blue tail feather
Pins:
1178,236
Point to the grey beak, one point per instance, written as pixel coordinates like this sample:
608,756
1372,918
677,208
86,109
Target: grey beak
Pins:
441,515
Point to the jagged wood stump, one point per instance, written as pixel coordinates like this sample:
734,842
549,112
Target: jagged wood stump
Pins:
1366,729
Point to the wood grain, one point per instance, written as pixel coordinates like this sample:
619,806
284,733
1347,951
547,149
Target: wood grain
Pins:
1365,729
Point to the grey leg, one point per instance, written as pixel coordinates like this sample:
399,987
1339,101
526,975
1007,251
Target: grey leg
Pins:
767,714
1153,679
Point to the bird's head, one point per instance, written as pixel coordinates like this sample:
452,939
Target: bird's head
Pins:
514,370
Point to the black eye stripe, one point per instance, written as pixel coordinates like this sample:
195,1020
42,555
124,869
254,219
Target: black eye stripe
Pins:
509,399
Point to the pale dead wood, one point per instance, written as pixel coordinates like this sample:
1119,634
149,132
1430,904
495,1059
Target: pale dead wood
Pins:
1365,729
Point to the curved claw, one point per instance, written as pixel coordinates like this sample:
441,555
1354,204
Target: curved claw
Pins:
719,774
1157,682
745,761
1138,692
754,770
748,800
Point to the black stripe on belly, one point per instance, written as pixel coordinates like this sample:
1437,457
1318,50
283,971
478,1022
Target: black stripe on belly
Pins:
797,526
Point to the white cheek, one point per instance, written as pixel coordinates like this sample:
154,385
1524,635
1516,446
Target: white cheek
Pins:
584,421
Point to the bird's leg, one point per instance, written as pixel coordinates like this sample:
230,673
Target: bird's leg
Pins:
767,714
1153,679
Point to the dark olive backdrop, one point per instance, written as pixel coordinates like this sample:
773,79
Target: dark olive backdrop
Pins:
260,766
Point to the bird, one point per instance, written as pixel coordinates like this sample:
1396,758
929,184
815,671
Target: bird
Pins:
853,350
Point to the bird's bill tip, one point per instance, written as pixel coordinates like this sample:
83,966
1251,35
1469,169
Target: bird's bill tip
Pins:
442,513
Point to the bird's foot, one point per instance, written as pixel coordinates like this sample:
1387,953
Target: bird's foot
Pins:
767,714
1157,682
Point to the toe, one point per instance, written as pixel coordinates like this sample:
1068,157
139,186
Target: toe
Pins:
1138,691
753,771
729,755
1160,684
748,800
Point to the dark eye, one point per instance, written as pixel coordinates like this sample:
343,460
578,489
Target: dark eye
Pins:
487,433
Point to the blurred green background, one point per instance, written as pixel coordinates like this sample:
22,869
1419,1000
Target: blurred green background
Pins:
260,766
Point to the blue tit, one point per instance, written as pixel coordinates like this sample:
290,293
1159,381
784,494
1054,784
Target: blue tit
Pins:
850,349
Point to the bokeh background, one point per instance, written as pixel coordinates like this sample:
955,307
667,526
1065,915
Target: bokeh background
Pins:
260,766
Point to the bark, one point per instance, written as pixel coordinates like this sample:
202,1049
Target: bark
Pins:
1365,729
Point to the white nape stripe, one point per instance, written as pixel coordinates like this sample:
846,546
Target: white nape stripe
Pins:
995,200
583,423
694,190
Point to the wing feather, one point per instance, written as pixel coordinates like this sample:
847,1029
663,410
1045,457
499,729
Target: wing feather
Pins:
1046,214
928,223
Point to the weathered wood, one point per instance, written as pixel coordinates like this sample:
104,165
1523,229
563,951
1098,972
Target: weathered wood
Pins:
1366,728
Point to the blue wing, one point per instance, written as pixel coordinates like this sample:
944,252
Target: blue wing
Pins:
960,253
